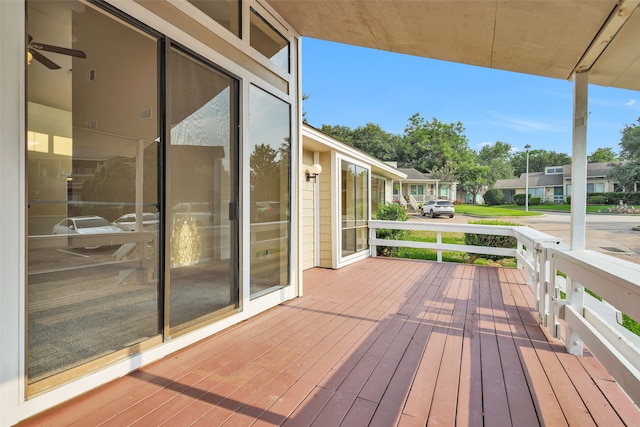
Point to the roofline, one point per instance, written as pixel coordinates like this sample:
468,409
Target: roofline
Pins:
334,144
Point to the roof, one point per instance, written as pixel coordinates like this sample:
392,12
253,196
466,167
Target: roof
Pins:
551,38
593,169
539,179
536,179
315,140
414,174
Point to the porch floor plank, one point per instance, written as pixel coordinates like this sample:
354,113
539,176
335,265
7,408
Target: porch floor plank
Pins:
381,342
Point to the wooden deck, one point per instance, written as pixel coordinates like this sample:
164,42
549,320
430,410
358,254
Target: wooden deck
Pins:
382,342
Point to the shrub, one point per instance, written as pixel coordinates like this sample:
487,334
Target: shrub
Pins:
519,199
489,240
567,200
596,200
390,212
494,197
534,201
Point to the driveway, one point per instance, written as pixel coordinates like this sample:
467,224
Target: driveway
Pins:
610,234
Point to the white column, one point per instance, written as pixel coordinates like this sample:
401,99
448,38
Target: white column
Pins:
12,211
579,162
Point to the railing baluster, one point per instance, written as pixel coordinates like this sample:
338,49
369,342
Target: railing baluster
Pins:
575,299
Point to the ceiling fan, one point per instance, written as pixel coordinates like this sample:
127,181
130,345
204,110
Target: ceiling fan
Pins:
34,47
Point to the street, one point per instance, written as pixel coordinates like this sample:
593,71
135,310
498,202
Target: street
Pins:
609,234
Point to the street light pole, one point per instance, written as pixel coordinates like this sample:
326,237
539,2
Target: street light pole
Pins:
526,182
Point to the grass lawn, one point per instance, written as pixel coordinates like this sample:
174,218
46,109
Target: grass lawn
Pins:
494,211
447,256
514,210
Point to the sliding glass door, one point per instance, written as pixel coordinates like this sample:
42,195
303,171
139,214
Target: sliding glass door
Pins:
203,191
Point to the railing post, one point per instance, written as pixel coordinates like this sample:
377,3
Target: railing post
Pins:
539,285
519,250
439,242
575,299
373,249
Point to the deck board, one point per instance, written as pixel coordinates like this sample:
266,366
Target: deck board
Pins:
382,342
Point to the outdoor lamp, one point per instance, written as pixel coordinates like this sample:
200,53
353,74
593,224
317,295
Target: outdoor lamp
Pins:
313,172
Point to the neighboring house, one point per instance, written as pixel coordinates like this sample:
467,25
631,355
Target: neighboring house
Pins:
418,188
554,184
338,203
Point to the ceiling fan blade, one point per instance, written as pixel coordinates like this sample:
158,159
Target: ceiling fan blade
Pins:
44,60
58,49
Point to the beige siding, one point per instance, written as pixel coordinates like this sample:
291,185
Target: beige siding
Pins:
308,213
326,206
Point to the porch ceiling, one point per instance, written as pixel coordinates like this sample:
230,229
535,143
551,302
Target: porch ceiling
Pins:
552,38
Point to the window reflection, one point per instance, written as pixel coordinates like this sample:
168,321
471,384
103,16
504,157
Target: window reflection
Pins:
224,12
378,189
202,156
270,142
92,286
268,41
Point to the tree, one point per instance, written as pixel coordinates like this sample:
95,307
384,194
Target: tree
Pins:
498,158
473,177
373,140
428,145
627,173
304,112
342,133
602,154
265,170
538,160
369,138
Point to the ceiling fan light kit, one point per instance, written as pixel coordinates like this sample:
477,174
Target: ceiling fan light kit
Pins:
33,49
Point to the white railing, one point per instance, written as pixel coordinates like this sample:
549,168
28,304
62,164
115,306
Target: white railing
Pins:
413,202
578,318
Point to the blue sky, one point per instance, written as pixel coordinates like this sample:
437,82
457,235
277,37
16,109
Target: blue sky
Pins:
353,86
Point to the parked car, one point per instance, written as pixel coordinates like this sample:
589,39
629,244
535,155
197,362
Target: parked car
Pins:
435,208
85,225
127,222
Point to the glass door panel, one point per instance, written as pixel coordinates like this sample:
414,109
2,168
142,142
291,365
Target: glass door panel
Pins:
202,185
92,156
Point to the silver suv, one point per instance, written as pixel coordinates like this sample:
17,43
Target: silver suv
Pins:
436,208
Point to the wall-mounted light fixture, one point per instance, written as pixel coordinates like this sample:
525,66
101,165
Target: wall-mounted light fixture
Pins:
313,172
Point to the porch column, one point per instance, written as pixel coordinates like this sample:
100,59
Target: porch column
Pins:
579,162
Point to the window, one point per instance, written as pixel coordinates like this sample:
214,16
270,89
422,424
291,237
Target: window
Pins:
416,190
268,41
595,188
270,145
377,193
354,207
224,12
536,191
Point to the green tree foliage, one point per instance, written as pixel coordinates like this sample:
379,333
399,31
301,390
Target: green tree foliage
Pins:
601,155
490,240
498,158
472,177
369,138
342,133
493,197
429,145
538,160
627,173
390,212
265,170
